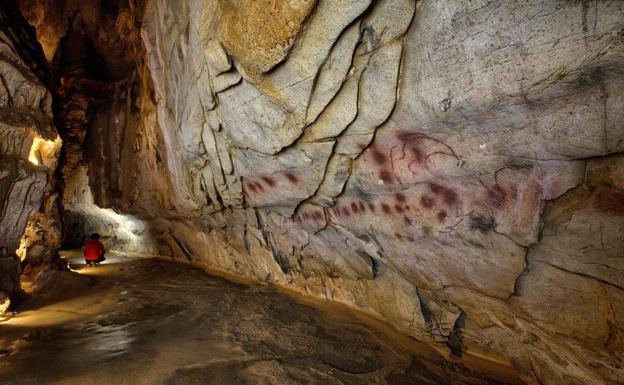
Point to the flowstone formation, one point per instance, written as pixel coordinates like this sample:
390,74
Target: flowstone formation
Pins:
454,168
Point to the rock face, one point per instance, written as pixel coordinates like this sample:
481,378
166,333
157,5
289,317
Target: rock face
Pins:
28,146
452,167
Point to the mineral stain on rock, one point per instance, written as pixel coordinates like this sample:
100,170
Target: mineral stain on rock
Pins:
610,202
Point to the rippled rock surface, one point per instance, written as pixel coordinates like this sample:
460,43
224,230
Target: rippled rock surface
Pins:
451,167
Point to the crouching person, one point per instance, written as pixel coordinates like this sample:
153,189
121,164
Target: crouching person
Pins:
94,250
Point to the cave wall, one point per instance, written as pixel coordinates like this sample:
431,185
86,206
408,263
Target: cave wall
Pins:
452,167
28,145
90,48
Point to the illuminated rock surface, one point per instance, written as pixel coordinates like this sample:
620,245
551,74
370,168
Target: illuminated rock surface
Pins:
152,322
28,151
454,168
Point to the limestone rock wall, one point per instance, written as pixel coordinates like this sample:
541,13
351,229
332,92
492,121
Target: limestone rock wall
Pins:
28,150
452,167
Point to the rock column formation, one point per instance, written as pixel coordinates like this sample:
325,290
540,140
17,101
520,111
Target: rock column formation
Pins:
454,168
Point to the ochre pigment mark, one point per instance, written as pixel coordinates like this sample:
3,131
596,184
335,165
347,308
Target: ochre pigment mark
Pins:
385,208
269,180
409,137
496,196
292,178
310,216
371,206
441,215
398,208
385,176
362,206
413,143
417,154
378,157
399,197
448,196
610,202
354,207
427,201
251,187
254,187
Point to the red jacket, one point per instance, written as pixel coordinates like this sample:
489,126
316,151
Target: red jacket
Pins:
93,250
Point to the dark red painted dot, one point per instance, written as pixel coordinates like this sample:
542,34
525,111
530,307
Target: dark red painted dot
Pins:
385,176
386,209
441,215
345,211
371,206
448,196
378,157
361,206
398,208
354,207
435,188
269,180
251,187
426,201
399,197
292,178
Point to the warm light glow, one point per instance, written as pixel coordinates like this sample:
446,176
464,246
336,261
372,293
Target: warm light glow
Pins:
42,150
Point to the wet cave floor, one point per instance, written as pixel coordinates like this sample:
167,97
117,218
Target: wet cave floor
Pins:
147,321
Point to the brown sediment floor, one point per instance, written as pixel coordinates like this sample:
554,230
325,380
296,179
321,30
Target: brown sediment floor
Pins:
146,321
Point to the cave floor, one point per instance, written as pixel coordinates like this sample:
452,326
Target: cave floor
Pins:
147,321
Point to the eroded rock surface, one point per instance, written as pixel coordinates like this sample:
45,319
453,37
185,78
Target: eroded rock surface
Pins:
28,144
452,167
